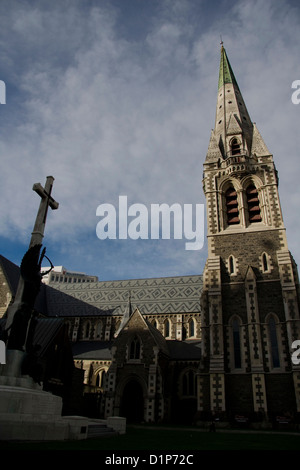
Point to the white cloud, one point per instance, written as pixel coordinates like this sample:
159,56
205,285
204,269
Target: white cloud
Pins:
109,115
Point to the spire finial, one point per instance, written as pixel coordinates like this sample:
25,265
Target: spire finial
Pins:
221,42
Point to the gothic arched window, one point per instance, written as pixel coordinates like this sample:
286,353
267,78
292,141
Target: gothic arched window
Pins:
253,204
231,264
189,384
265,262
135,349
235,147
273,342
86,330
232,208
191,327
236,343
167,328
99,330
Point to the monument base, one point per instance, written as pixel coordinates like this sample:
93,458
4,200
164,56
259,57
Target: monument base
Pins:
27,414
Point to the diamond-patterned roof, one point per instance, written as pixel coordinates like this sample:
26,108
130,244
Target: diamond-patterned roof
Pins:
155,295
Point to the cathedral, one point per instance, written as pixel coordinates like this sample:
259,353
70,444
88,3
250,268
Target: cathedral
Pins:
191,349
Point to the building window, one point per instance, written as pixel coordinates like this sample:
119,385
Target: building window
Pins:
235,147
100,378
189,384
86,330
231,265
191,327
253,204
236,344
265,263
167,328
274,342
232,207
99,330
135,349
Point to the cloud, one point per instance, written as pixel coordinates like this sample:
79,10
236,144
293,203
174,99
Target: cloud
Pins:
115,110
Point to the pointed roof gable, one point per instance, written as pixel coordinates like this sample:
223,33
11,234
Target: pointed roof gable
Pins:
233,126
259,147
126,315
213,152
250,275
137,321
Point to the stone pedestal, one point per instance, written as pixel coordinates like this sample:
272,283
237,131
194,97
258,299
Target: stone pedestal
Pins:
29,413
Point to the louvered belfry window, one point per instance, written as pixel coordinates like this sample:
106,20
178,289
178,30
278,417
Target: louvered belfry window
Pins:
232,207
253,204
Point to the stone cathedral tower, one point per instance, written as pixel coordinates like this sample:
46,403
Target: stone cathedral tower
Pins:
250,282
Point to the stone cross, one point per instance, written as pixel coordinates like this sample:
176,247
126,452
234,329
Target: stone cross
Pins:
46,201
19,313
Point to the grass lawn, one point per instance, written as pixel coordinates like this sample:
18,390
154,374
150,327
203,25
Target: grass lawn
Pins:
179,439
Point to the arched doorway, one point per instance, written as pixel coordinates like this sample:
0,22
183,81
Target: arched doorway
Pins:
132,402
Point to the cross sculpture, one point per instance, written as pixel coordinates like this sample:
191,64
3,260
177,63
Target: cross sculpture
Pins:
18,326
46,201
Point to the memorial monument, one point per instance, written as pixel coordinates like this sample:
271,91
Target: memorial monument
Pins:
21,320
27,412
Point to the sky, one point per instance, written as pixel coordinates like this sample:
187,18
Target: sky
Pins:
118,98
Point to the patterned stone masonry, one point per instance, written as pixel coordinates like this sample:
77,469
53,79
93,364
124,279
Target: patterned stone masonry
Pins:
296,377
110,386
273,197
259,393
217,392
211,202
253,322
151,392
200,393
290,294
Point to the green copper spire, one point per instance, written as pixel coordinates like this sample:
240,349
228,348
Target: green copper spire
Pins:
226,74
